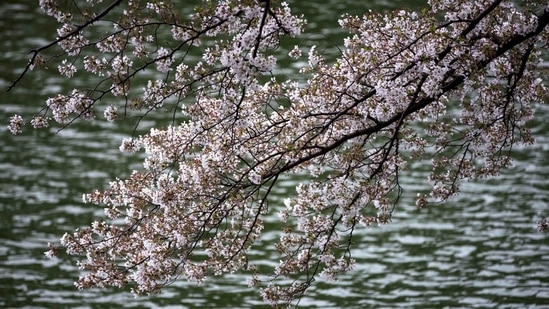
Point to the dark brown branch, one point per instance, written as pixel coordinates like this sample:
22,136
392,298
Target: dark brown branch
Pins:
261,25
480,17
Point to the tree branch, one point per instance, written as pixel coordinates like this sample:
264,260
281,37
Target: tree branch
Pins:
79,28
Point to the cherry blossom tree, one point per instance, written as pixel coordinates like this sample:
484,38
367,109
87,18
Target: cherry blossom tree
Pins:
455,84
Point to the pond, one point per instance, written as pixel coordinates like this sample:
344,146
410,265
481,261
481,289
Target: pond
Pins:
479,250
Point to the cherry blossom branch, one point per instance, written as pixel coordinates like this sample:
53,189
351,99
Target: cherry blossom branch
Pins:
78,29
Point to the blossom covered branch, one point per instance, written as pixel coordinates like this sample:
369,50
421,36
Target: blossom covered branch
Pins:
455,84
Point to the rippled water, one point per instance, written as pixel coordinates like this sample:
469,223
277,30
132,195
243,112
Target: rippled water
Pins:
480,250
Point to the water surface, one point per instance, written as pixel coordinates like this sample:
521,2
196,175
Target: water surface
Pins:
480,250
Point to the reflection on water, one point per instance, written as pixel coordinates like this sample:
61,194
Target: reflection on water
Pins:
480,250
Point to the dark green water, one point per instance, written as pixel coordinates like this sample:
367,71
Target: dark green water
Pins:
480,250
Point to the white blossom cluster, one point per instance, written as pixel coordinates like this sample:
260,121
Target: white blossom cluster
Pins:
455,84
